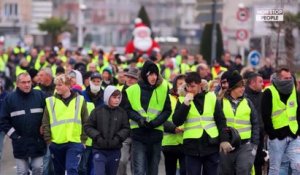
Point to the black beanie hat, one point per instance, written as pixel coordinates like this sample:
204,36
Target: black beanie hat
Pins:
148,68
234,79
225,75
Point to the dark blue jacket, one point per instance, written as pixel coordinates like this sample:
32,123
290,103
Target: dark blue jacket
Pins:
2,97
20,118
96,99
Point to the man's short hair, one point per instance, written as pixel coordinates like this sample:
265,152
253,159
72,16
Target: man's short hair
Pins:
250,76
22,74
193,77
48,71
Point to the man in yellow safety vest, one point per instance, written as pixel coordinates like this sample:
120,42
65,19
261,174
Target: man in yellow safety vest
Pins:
203,122
63,120
148,108
280,111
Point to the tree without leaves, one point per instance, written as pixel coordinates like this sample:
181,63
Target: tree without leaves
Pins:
55,26
291,21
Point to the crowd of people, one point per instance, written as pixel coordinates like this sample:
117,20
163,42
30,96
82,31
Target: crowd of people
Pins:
97,113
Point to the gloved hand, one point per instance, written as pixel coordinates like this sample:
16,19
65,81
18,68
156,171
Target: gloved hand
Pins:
149,125
189,97
142,122
100,139
226,147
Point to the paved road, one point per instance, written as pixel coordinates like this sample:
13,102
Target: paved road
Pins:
8,167
7,164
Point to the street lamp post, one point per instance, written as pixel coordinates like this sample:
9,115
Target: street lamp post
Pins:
82,7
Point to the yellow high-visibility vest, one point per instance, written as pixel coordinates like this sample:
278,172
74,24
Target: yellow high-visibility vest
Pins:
195,123
284,114
241,119
19,70
90,107
156,104
170,138
65,121
184,68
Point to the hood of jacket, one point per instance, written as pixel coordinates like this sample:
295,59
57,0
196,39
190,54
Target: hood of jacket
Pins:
148,68
109,90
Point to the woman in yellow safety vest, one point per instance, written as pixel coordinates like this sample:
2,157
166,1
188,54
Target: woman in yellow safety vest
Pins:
173,135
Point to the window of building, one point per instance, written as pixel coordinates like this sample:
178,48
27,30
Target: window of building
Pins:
11,9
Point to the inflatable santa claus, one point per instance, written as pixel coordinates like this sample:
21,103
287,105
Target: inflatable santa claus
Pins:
142,43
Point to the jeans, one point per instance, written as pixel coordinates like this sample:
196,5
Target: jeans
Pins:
125,156
239,161
206,164
106,162
2,136
145,158
283,151
171,159
36,165
66,157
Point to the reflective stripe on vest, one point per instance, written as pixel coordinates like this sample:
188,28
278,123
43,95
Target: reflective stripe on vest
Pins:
155,106
241,119
65,121
196,123
284,114
90,107
170,138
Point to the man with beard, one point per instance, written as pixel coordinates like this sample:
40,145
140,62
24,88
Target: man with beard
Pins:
280,111
221,89
253,91
142,41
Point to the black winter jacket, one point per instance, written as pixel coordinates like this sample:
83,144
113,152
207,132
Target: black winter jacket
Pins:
205,145
108,127
148,135
255,97
21,119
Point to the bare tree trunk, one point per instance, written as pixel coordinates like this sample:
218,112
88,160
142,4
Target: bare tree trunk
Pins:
289,43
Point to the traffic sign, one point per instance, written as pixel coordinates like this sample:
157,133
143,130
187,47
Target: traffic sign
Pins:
242,14
254,58
242,34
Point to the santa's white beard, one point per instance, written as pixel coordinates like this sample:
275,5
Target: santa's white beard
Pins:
142,44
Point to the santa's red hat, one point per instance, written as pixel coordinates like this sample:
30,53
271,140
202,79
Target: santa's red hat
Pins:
140,26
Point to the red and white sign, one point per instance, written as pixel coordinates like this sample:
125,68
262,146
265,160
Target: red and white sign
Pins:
242,34
242,14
